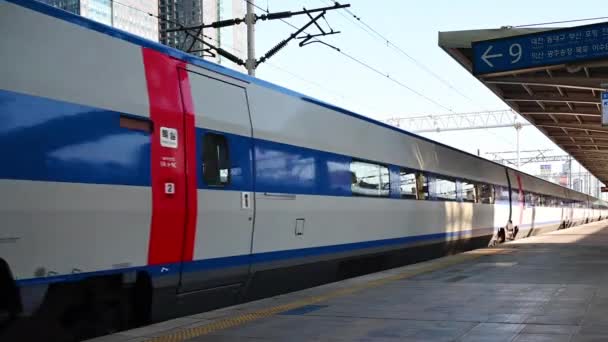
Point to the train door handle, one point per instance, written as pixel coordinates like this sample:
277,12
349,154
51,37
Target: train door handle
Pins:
299,231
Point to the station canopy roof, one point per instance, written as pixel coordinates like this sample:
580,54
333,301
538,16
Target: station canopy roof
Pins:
562,100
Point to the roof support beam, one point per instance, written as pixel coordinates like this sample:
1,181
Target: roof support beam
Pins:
561,113
585,145
570,136
570,106
553,118
597,146
566,133
548,98
590,127
590,153
560,82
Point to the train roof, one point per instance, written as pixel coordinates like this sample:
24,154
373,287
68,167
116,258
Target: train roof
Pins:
194,60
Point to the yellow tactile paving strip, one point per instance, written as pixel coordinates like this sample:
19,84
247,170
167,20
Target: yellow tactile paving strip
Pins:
230,322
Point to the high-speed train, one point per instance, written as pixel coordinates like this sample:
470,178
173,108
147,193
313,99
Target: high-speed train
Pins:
139,183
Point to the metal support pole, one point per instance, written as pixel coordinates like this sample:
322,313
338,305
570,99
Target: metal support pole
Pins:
518,127
250,21
569,172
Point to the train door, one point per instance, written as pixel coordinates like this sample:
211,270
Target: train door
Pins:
171,185
221,176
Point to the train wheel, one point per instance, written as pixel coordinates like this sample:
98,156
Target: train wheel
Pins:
77,311
104,309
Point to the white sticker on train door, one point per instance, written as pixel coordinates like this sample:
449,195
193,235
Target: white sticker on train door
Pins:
245,200
168,137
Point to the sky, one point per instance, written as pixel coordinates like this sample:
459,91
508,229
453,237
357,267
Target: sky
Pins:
319,71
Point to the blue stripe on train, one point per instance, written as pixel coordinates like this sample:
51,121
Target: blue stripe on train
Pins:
260,258
49,140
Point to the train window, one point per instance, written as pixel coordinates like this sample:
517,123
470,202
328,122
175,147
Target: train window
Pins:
422,183
136,124
515,198
540,200
216,160
407,183
466,192
442,188
369,179
530,199
385,189
502,193
485,193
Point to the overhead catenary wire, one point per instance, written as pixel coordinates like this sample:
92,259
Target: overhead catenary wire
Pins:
177,24
358,21
300,77
491,134
366,65
234,49
377,35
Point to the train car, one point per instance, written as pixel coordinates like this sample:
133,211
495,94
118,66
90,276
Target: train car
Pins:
140,183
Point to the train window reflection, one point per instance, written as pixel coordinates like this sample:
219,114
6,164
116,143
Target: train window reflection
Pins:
385,188
485,193
216,161
530,199
466,192
443,189
407,183
369,179
540,200
422,183
502,193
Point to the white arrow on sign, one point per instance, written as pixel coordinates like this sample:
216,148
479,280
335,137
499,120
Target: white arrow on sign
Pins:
486,56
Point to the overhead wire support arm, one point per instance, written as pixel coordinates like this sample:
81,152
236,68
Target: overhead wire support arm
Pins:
292,36
219,50
288,14
269,16
217,24
307,38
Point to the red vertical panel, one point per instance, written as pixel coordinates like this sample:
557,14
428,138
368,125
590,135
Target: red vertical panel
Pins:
522,199
167,232
191,165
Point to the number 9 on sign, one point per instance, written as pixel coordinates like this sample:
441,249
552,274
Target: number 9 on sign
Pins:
516,52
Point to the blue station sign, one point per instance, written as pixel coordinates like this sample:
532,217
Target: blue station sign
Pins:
604,108
560,46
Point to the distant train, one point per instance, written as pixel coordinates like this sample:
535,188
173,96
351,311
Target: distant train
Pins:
140,183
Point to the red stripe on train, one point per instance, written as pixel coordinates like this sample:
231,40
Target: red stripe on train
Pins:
191,163
172,228
521,198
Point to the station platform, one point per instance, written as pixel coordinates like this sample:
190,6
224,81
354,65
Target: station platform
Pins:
551,287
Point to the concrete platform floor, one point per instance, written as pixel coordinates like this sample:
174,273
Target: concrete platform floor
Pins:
552,287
